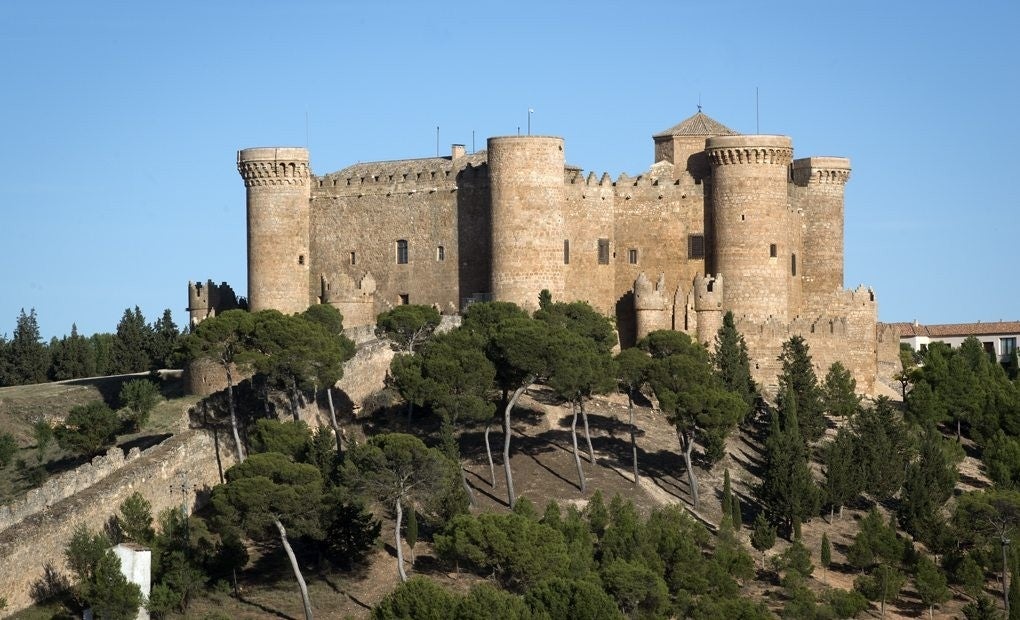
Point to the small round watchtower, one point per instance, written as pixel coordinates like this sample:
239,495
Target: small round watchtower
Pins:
526,183
751,208
277,180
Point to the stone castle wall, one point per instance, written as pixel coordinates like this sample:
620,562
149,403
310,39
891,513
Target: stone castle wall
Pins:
422,207
65,485
158,473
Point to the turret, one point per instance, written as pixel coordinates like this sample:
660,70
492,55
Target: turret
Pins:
650,307
820,183
277,180
751,215
526,184
708,303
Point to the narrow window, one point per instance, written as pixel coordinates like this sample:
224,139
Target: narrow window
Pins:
632,256
402,252
773,250
440,253
354,258
793,264
1008,345
696,246
301,259
404,299
566,251
603,251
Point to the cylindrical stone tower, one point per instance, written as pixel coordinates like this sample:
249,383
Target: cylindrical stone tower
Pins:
278,227
526,184
823,180
751,212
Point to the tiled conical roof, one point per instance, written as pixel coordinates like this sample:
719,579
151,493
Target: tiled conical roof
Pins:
698,125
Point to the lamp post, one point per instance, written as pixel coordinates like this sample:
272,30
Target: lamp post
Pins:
530,112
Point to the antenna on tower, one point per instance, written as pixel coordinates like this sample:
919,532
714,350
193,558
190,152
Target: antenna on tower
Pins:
437,140
757,125
699,102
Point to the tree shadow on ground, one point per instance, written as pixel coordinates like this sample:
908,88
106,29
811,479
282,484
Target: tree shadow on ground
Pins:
108,387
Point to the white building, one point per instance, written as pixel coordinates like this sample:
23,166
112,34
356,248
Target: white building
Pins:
998,337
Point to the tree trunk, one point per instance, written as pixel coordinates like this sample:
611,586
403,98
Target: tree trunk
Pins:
233,414
400,550
467,487
587,433
332,420
931,612
687,446
294,401
577,457
633,435
512,497
957,430
488,453
297,569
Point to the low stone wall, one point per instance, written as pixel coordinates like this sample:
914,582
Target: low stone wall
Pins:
65,485
187,460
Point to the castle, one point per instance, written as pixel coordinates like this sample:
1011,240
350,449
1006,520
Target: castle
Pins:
720,222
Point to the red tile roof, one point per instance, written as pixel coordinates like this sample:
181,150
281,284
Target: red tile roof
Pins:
949,330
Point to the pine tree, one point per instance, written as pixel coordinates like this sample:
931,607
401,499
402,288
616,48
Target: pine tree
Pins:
132,343
164,342
799,382
28,356
882,447
738,517
930,583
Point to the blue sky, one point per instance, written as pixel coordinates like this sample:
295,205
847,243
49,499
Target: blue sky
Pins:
121,122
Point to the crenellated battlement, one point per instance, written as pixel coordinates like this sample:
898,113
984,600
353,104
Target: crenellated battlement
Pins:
708,292
209,299
820,171
753,149
648,296
269,167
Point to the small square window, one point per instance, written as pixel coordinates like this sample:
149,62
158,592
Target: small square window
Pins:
793,264
354,258
603,251
696,246
404,299
566,252
773,250
632,256
440,253
402,252
301,259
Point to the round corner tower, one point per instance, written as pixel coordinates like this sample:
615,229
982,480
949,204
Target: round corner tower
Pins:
751,211
526,185
277,180
822,181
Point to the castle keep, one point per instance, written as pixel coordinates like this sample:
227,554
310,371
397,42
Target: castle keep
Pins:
719,222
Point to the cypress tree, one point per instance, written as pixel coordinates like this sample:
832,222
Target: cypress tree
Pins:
799,382
732,362
787,489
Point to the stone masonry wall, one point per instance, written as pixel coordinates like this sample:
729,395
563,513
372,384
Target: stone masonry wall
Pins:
65,485
29,546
